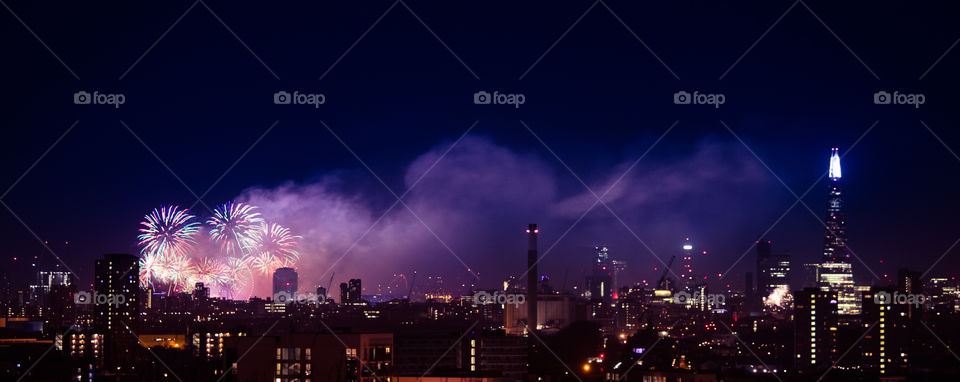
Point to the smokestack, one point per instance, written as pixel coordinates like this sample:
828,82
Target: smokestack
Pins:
532,276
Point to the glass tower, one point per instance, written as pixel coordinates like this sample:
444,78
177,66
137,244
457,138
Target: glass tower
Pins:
836,272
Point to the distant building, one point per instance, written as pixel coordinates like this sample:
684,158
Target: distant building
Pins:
773,269
816,319
284,285
601,278
40,292
619,270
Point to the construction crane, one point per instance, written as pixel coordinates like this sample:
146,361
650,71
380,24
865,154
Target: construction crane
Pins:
410,290
330,283
660,282
563,287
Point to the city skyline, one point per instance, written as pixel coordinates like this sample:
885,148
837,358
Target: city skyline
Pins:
633,253
788,121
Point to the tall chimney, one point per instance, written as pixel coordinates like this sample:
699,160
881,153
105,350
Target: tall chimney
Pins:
532,276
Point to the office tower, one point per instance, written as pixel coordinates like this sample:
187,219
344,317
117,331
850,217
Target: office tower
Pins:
284,285
908,283
350,292
773,269
836,272
764,252
116,306
601,279
46,280
943,294
748,284
532,290
886,344
686,263
815,317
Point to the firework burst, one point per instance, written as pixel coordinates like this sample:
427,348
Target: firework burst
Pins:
248,249
178,271
276,247
233,226
149,269
168,231
212,272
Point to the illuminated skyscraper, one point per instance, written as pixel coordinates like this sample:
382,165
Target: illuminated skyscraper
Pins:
686,264
835,236
601,281
836,272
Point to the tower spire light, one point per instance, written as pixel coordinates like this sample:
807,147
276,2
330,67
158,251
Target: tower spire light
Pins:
835,164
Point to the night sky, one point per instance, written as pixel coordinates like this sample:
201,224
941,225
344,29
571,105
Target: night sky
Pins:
199,95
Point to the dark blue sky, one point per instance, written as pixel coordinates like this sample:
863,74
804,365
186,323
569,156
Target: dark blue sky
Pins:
200,97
